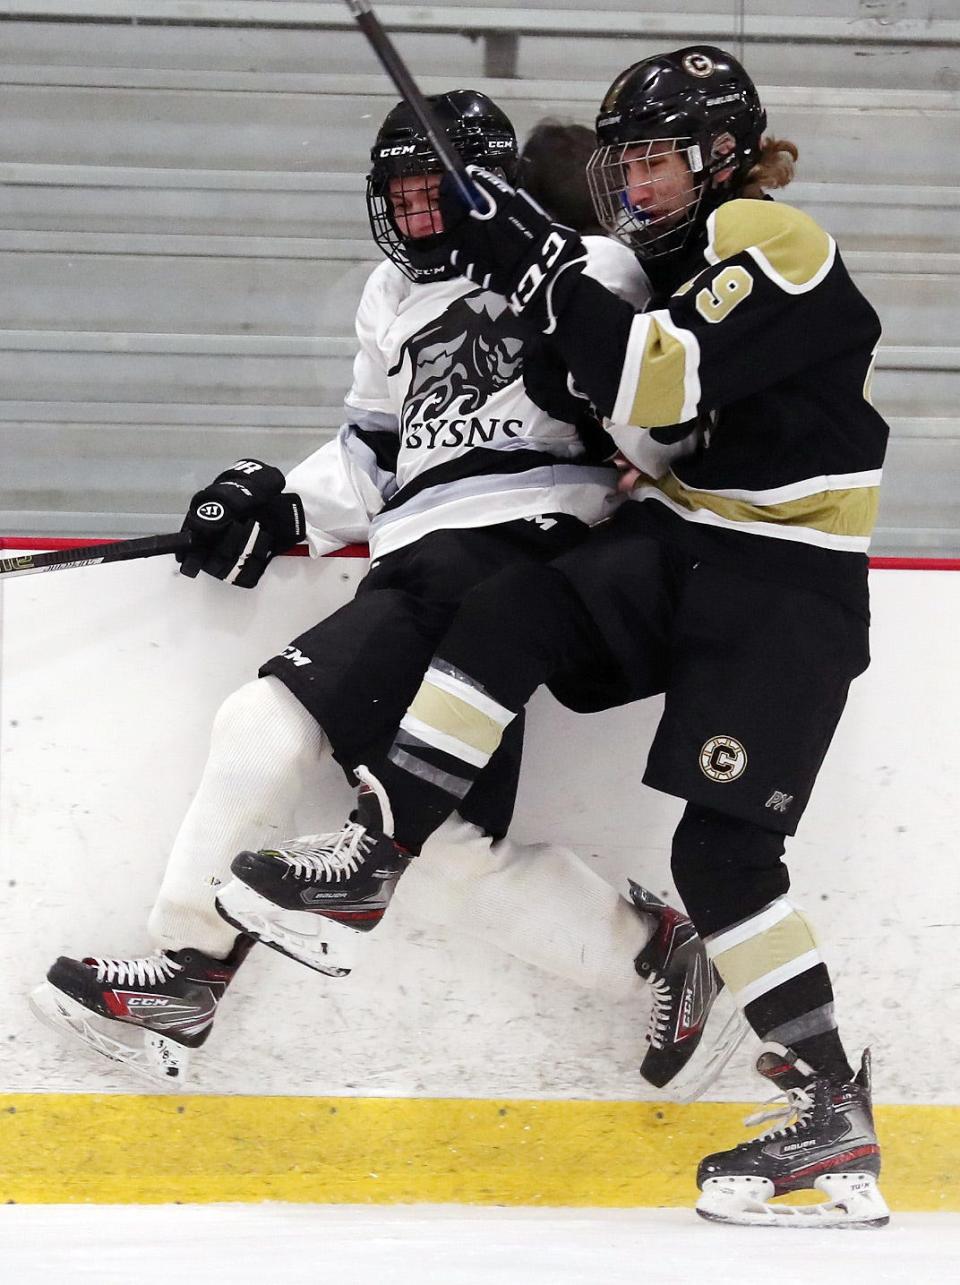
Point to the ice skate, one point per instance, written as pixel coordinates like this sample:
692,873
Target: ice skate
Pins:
146,1013
826,1143
691,1035
309,897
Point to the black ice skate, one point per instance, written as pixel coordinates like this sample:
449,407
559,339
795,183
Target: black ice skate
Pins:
308,897
685,1019
146,1013
827,1142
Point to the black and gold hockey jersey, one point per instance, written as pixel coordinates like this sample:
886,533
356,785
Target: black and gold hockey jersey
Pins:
771,347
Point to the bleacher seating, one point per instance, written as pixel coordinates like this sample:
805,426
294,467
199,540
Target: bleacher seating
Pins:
183,234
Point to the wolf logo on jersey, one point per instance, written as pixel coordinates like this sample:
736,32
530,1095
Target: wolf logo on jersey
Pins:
441,426
458,361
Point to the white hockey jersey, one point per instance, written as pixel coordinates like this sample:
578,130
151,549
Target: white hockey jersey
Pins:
441,433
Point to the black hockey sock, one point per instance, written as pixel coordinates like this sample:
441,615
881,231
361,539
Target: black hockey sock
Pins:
512,633
825,1053
446,738
422,794
799,1013
734,884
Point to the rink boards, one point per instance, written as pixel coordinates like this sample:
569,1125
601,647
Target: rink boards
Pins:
115,1149
439,1070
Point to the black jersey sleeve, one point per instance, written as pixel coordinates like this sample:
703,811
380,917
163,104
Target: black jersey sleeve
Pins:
773,300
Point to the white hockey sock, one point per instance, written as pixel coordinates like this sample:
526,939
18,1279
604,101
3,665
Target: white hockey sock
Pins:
538,902
263,741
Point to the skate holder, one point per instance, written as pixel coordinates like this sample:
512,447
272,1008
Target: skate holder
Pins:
853,1200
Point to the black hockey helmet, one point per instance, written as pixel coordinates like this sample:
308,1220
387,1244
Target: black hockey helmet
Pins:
482,135
698,101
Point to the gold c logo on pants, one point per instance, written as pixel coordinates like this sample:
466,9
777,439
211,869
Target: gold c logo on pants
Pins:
723,759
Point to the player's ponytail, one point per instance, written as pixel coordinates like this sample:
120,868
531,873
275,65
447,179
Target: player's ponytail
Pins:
774,168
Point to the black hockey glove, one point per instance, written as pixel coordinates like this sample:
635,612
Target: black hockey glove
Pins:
240,522
513,249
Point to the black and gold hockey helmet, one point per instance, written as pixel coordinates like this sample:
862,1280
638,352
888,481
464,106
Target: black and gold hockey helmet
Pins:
479,131
698,101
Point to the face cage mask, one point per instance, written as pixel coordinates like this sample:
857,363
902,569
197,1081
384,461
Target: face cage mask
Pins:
650,232
419,258
422,258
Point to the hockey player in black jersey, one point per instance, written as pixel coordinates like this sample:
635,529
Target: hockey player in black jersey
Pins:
735,582
451,472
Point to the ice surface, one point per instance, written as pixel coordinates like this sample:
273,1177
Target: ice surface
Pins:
453,1245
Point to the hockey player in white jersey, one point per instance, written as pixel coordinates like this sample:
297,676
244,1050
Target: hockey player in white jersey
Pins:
451,472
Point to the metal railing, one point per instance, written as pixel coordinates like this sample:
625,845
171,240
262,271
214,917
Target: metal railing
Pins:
501,29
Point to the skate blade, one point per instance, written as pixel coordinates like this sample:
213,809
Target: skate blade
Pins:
301,935
725,1031
853,1203
146,1053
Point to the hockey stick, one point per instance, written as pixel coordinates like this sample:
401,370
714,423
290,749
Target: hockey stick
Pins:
396,69
91,555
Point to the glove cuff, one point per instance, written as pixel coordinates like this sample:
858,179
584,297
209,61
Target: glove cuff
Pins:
262,480
283,517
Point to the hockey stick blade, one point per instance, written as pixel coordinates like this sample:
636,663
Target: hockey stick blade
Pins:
409,91
91,555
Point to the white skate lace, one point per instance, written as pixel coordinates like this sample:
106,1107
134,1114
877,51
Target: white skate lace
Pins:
334,856
143,972
659,1019
795,1107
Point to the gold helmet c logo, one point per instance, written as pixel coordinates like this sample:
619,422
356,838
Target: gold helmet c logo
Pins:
699,65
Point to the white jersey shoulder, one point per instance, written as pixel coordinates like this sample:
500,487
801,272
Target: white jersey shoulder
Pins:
439,366
616,267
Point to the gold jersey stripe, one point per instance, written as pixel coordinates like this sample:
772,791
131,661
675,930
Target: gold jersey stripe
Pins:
788,242
661,389
851,512
782,942
455,718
